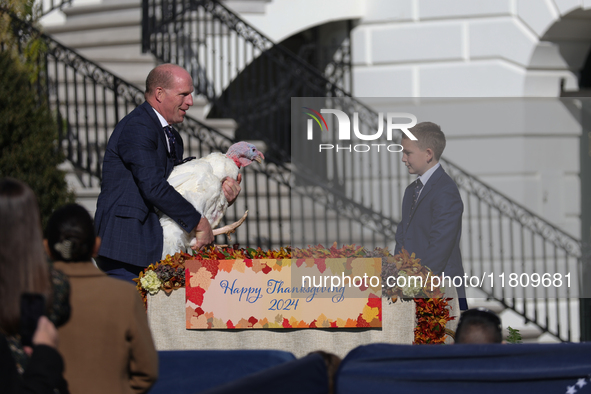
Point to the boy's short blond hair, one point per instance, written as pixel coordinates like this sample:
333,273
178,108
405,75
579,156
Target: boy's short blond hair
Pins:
429,136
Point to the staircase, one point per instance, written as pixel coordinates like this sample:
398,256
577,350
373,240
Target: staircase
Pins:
270,190
109,33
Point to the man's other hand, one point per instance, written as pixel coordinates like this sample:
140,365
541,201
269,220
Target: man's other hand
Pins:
231,188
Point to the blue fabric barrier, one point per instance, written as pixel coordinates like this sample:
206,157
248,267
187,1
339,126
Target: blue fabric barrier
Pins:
193,371
482,369
307,375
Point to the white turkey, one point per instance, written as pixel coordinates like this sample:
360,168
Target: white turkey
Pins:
200,183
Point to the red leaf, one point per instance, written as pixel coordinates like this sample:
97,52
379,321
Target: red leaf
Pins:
333,324
286,323
267,269
229,324
374,301
361,322
313,324
321,264
212,266
253,320
248,263
199,311
195,294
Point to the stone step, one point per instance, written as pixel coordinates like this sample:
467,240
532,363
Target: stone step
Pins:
77,126
89,98
88,38
117,53
103,15
247,6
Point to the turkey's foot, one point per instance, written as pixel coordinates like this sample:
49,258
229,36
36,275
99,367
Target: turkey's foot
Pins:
230,228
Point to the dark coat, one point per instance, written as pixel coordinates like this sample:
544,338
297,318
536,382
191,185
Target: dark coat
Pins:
135,168
435,227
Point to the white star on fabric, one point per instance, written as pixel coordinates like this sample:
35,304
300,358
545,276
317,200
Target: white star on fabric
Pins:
581,382
571,389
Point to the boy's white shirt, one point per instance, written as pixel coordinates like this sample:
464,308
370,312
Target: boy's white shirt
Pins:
425,177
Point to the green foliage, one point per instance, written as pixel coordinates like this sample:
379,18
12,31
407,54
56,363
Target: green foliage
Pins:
514,336
28,49
29,10
28,138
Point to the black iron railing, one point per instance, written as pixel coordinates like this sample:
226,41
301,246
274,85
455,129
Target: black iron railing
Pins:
241,72
528,264
88,101
249,78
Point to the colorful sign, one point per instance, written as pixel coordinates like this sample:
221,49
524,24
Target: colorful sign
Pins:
267,293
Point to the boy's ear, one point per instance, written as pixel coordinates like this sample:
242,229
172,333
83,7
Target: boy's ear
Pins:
430,155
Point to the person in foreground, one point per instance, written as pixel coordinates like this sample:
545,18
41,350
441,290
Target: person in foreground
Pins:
24,269
44,373
479,325
140,155
431,223
107,345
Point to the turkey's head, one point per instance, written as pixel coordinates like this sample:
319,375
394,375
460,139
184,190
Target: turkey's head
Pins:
244,153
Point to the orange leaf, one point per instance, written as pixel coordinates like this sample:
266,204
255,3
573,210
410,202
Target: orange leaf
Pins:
226,265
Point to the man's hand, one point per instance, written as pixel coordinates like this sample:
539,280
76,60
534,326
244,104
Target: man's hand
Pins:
203,234
231,188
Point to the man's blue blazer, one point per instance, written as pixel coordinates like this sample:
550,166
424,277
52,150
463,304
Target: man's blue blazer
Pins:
135,168
434,229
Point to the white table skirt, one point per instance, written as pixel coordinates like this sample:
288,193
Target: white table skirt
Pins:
167,318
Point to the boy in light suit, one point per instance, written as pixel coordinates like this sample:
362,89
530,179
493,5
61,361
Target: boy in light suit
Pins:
431,223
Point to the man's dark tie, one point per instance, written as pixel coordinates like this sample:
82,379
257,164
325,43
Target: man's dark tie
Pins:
415,196
171,142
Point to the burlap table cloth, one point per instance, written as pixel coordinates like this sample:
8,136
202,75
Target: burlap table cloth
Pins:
166,315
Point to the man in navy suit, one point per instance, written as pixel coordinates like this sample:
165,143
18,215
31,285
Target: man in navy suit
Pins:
431,223
140,155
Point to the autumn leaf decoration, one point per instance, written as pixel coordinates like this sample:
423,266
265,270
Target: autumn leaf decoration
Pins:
432,310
